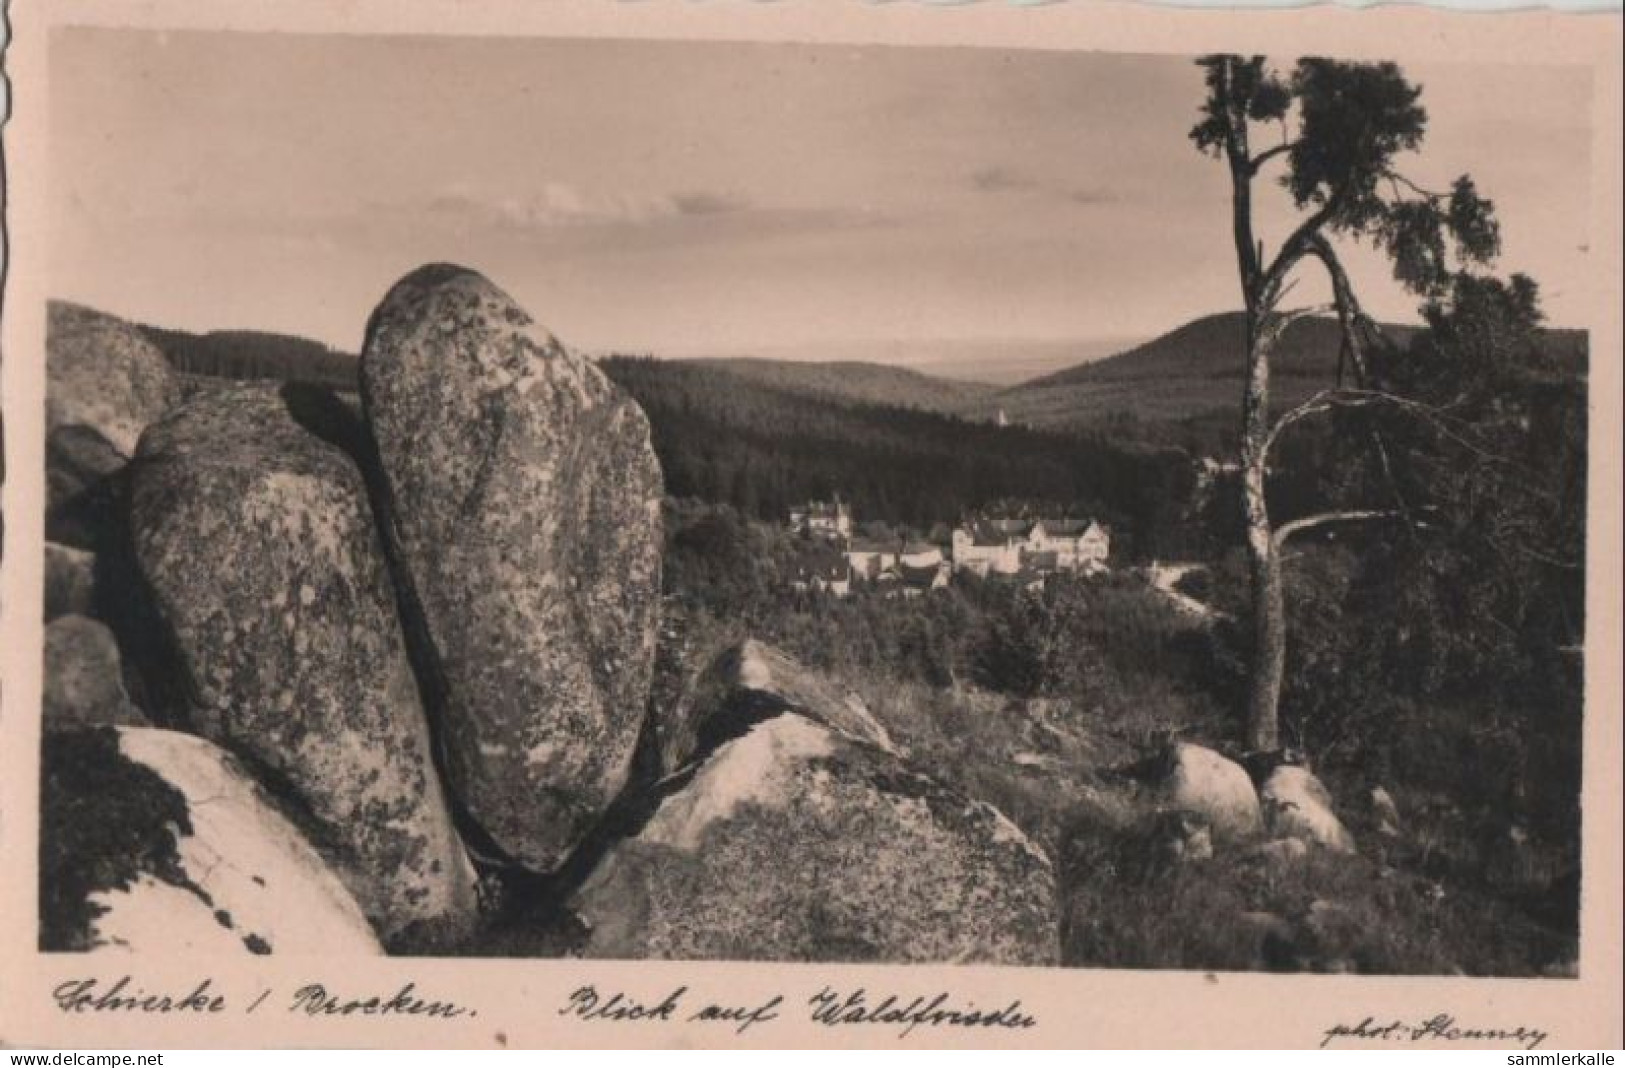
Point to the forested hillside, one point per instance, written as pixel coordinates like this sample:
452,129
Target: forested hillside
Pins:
726,439
856,380
1193,376
249,354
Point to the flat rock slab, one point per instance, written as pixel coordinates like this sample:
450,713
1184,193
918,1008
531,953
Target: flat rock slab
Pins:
753,681
793,842
525,504
159,843
257,540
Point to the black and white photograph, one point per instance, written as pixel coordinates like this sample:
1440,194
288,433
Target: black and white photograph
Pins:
613,499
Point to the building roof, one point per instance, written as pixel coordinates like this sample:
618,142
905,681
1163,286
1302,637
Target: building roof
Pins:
1026,576
821,562
823,509
921,577
1065,528
996,532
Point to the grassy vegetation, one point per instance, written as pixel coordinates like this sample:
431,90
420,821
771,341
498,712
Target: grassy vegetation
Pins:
1041,703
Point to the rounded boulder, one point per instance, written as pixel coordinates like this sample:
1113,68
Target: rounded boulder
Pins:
1197,779
255,536
83,684
105,384
1297,805
524,502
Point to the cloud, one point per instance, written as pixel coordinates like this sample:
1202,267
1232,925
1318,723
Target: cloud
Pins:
1092,195
1000,180
708,203
557,205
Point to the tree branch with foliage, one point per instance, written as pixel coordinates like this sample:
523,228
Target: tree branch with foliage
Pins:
1341,130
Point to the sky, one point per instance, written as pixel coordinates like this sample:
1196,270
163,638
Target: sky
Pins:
703,198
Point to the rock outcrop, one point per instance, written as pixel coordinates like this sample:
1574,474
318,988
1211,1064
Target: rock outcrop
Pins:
105,383
754,681
1196,779
795,842
158,842
258,544
524,504
1296,805
83,684
1384,812
70,581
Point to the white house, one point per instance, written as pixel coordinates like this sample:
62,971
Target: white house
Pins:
989,546
1006,546
1078,544
826,574
870,559
829,519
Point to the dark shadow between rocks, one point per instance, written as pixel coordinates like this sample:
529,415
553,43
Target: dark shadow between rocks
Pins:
149,656
81,474
645,791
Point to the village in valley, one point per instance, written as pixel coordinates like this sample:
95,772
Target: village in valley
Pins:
835,557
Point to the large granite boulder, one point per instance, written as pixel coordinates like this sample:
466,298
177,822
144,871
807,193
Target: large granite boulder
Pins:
795,842
524,497
84,681
1297,805
753,681
1197,779
70,581
105,383
157,842
257,541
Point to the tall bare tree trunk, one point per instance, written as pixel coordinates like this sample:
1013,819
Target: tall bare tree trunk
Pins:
1259,292
1263,558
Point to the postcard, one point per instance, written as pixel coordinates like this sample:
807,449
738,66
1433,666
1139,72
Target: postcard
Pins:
834,524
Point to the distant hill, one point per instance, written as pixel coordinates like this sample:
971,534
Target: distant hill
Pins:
855,381
255,354
1194,373
995,361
